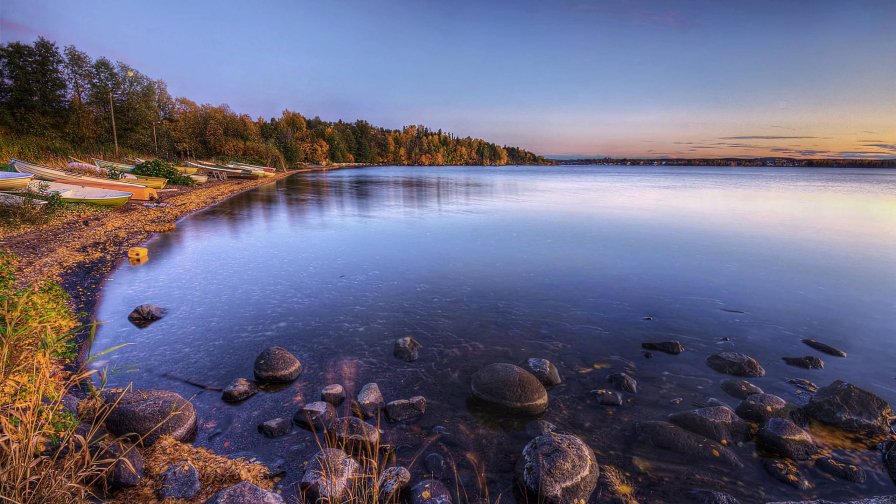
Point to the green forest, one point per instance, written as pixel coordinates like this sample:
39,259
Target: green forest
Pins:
59,102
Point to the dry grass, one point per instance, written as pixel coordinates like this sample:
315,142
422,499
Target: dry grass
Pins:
616,482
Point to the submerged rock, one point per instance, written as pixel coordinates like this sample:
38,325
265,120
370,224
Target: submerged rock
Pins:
786,471
807,362
718,423
333,394
851,409
406,409
275,427
329,475
245,493
316,416
544,370
821,347
783,438
806,385
146,314
736,364
277,365
840,469
239,390
559,469
430,492
759,408
608,397
354,430
407,349
712,497
510,387
150,414
674,438
740,389
180,481
669,347
392,481
623,382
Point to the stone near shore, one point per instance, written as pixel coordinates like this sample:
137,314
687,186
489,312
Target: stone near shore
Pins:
430,492
146,314
851,409
623,382
392,481
333,394
180,481
544,370
277,365
807,362
608,397
718,423
822,347
329,475
127,470
759,408
840,469
316,416
740,389
736,364
276,427
406,409
149,414
787,472
370,400
783,438
245,493
559,469
671,437
239,390
407,349
669,347
354,430
509,387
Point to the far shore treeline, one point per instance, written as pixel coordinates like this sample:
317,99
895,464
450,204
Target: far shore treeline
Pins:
57,102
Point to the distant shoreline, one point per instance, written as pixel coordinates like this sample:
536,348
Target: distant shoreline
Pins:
771,162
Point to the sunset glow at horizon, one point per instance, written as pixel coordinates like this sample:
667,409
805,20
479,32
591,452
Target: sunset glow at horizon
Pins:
572,78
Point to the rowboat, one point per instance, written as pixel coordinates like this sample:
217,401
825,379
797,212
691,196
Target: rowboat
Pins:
13,181
253,167
199,179
153,182
138,192
71,193
225,171
53,175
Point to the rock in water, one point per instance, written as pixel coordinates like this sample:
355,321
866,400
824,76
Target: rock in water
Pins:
333,394
239,390
180,481
806,385
623,382
245,493
150,414
840,469
712,497
736,364
559,469
544,370
354,430
316,416
783,438
851,409
275,427
740,389
277,365
674,438
821,347
759,408
392,481
510,387
807,362
669,347
146,314
608,397
718,423
329,475
430,492
786,471
370,400
406,409
407,349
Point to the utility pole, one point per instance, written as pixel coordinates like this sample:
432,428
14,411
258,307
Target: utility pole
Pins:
154,139
114,132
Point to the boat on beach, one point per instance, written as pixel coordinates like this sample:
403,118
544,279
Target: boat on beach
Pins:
266,169
140,193
224,171
14,181
199,179
55,175
71,193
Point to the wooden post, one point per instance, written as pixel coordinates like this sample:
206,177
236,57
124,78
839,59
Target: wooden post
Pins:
114,132
154,139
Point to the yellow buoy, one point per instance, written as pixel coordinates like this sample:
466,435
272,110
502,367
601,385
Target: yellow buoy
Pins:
138,252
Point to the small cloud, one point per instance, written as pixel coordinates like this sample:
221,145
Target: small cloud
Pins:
11,26
885,146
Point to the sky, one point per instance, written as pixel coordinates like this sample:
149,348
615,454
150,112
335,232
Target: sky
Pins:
575,78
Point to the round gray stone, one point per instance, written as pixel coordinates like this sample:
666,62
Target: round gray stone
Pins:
510,387
277,365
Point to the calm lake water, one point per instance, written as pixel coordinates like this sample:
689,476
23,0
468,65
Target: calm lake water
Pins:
575,264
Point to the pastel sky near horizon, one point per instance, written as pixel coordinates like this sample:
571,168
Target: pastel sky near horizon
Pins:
637,78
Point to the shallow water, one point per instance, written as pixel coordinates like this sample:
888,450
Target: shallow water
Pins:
499,264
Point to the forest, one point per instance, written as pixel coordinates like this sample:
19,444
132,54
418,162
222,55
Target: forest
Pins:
58,102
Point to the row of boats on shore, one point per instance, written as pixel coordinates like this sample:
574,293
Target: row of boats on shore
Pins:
108,183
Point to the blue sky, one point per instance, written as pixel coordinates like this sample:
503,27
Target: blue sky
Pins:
584,77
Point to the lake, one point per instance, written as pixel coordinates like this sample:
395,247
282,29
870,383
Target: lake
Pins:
579,265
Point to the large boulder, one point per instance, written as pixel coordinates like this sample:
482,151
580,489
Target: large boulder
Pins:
559,469
736,364
146,415
544,370
245,493
510,387
671,437
354,430
329,475
759,408
783,438
718,423
740,389
277,365
238,390
180,481
370,399
430,492
146,314
407,349
851,409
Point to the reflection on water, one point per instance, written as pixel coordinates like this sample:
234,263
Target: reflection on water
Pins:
578,265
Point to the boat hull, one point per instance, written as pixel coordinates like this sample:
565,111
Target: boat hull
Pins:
141,193
15,181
